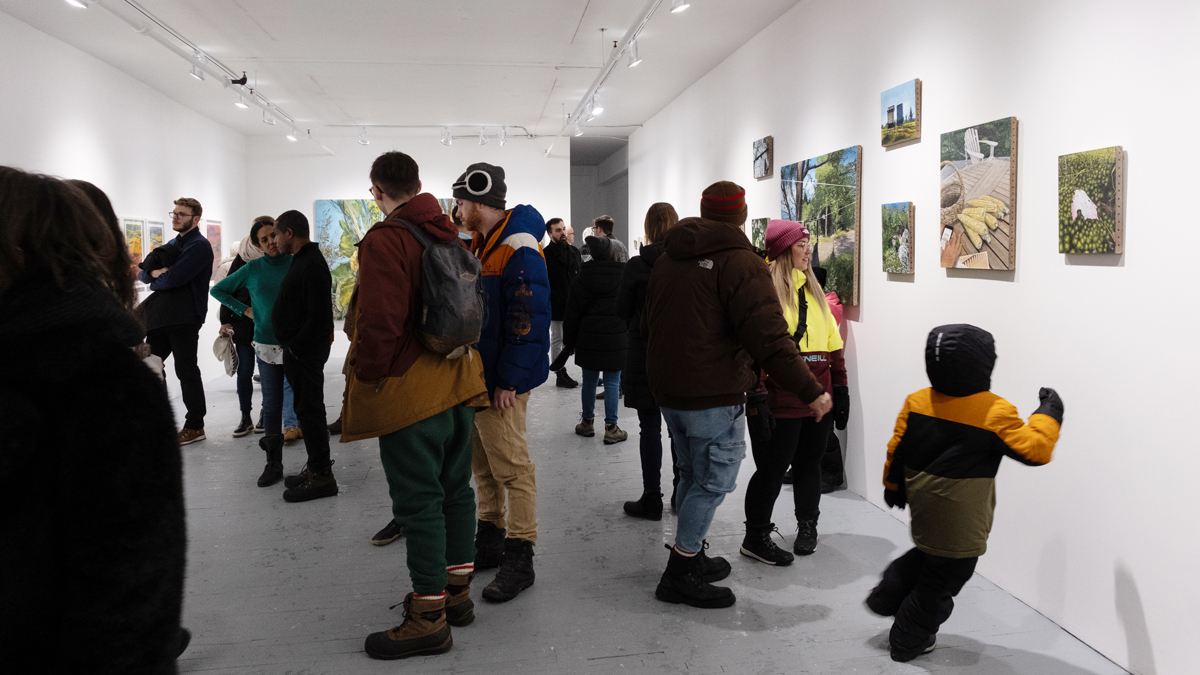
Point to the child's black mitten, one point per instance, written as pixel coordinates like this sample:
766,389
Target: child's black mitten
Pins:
841,407
1052,404
896,499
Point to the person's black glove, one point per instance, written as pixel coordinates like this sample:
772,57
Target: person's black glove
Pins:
1052,404
758,416
841,407
895,499
561,360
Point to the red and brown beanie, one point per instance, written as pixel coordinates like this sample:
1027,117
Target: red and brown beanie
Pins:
724,201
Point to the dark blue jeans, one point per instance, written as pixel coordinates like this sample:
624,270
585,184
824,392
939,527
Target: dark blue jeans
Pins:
650,444
245,375
612,394
272,393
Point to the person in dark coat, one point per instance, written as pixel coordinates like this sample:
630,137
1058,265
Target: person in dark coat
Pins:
631,298
113,589
597,336
562,266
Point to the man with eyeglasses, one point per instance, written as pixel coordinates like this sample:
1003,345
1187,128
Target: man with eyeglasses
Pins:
182,290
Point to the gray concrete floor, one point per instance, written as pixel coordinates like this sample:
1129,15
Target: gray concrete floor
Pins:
295,588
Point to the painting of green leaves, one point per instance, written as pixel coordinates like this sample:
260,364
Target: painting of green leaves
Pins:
339,224
758,233
898,238
1090,202
823,194
900,113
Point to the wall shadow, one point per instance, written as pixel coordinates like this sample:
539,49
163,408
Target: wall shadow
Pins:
905,278
987,275
962,654
1132,615
1095,259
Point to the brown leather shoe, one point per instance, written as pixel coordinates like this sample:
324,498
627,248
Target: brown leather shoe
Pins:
188,436
424,631
460,609
292,435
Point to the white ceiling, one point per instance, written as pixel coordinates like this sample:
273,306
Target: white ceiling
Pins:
416,62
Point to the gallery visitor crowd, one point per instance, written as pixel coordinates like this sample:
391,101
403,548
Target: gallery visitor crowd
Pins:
449,335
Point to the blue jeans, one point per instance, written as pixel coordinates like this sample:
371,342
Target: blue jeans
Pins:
245,375
272,393
289,407
709,445
612,394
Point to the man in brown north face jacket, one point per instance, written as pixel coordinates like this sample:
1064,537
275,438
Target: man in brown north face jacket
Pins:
711,312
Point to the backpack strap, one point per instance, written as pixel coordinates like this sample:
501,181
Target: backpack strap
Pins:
802,312
420,234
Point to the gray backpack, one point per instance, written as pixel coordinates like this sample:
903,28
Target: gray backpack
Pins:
451,296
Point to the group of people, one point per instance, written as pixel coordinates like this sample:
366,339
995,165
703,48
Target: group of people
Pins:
706,335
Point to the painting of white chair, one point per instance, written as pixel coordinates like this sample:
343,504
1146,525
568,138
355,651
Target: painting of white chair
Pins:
971,141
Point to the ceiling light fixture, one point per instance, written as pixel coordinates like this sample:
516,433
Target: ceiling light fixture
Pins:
241,103
81,4
589,113
678,6
362,138
197,73
292,134
503,137
268,119
578,130
634,59
597,108
483,139
446,138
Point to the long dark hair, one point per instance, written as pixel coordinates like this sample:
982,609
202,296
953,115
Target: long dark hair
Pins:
57,226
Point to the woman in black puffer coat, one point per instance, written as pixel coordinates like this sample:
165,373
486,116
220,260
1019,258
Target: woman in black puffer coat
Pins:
631,298
597,336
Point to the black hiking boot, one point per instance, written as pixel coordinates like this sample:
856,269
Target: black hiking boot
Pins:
758,544
489,546
905,655
562,379
806,537
681,583
318,484
516,572
650,506
711,569
272,444
245,427
423,632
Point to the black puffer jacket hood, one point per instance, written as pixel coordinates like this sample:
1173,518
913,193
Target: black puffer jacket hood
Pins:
600,248
959,359
693,237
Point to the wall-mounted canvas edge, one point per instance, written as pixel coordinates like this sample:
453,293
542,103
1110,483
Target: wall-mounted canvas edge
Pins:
858,224
918,137
1012,194
1119,227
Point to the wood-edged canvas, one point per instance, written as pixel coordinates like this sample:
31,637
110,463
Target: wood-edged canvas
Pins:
1091,201
764,157
979,196
756,231
824,193
900,114
899,219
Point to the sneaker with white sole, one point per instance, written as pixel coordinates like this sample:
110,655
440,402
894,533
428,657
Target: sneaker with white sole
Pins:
189,436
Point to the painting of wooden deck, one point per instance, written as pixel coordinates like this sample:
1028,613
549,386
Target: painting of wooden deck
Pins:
979,196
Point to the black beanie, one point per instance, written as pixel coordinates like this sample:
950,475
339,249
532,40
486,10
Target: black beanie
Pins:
600,248
482,183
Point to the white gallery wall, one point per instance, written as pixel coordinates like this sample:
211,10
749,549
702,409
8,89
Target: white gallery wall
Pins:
601,189
68,114
1103,540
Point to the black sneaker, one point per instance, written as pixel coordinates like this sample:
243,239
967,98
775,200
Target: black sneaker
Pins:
515,574
562,379
758,544
390,533
681,583
245,427
258,426
906,655
806,537
650,506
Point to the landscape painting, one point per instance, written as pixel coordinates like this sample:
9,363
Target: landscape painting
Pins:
758,233
823,194
1091,203
154,235
764,157
134,237
447,205
213,234
979,196
900,113
898,232
338,225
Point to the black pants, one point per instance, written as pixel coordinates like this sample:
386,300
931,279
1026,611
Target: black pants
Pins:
307,377
919,589
799,443
182,341
650,447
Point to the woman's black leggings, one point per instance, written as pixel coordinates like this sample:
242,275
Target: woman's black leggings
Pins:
650,446
798,442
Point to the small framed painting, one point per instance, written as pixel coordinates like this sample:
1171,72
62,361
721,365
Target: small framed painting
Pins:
900,114
154,235
758,233
213,233
134,235
898,220
764,157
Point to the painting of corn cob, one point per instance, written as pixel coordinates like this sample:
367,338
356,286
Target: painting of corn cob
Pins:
979,196
1091,203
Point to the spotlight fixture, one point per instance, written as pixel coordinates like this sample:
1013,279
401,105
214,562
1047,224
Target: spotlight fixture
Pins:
578,130
292,135
483,139
241,103
678,6
446,139
81,4
597,108
634,59
362,138
503,137
197,73
268,119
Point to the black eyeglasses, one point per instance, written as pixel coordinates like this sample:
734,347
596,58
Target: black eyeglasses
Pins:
178,216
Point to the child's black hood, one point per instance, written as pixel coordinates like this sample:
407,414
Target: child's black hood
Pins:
959,359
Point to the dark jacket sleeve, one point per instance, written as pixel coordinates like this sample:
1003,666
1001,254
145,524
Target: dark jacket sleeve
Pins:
523,350
625,291
194,259
576,306
316,291
893,467
383,304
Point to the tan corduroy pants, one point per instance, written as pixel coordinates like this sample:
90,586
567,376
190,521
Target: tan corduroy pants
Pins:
500,462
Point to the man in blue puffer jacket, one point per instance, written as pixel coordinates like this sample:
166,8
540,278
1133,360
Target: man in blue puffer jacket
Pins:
513,345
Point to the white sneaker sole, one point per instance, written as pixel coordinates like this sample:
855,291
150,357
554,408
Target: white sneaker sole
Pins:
194,440
751,554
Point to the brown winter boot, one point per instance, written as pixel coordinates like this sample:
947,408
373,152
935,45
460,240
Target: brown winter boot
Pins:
460,609
423,632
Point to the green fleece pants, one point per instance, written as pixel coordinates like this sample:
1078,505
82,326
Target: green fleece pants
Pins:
428,469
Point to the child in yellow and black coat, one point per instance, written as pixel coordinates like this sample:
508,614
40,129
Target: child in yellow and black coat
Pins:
942,463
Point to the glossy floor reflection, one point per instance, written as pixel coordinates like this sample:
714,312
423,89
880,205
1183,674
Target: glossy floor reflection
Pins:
295,588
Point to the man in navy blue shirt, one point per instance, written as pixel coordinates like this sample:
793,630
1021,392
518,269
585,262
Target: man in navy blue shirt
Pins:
184,286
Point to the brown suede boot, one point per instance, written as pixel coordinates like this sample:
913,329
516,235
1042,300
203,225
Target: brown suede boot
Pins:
460,608
423,632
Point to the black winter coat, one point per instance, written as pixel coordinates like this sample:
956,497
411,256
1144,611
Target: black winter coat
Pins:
243,326
562,266
631,298
591,326
87,447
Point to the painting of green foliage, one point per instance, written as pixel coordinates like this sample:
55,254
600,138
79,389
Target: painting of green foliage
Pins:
1090,202
897,238
338,225
823,194
758,233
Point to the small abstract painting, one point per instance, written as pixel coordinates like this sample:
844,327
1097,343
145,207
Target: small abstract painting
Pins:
764,157
823,194
447,205
338,225
979,196
900,113
134,238
154,235
758,233
898,232
1091,201
213,230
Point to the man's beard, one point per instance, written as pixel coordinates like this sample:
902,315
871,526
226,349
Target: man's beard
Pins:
473,221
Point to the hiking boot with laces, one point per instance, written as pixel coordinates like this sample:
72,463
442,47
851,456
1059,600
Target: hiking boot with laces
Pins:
515,574
318,484
390,532
296,480
586,427
682,583
245,427
806,537
423,632
489,545
562,379
650,506
460,609
711,569
614,434
758,544
901,655
292,434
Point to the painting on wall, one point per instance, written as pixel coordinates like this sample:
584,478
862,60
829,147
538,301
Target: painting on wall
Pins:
900,113
898,232
757,233
154,235
823,193
1091,201
338,225
134,238
213,234
447,204
764,157
979,196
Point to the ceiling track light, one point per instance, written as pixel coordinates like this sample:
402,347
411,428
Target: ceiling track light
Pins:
446,139
483,139
197,73
81,4
292,135
268,119
241,102
503,137
634,59
362,138
597,108
578,130
678,6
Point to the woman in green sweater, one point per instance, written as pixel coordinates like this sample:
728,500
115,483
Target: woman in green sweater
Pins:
262,277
